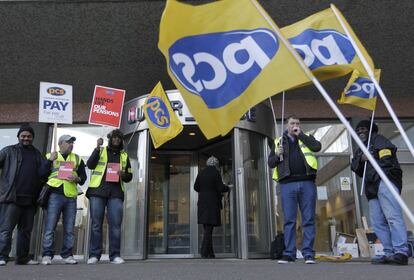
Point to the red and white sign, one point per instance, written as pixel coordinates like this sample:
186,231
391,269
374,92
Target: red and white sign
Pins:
107,106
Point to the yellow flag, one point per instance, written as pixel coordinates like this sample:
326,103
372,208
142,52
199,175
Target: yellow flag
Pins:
324,46
360,91
225,58
163,123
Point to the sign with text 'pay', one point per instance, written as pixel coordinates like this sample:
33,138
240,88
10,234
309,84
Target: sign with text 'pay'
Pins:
55,103
106,108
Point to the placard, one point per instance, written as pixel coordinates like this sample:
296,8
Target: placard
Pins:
55,103
106,108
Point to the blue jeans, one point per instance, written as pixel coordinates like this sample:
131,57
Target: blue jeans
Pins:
57,204
114,215
388,221
302,193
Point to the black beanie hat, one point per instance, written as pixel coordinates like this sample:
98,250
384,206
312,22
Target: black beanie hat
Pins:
116,132
26,127
367,125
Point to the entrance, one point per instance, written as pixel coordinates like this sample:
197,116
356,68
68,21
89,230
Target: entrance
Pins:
172,218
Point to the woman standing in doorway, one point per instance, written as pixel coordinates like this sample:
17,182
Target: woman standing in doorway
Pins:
210,187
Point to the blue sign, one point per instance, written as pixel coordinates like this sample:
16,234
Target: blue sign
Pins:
158,112
220,66
323,48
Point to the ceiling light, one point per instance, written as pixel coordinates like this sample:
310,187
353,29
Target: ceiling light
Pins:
153,157
192,134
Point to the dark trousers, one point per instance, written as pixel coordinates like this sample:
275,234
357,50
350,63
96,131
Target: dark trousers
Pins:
114,214
10,216
207,244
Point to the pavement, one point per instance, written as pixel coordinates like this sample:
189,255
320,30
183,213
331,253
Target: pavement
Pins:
200,269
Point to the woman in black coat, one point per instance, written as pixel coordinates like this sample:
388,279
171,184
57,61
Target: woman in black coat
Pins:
210,187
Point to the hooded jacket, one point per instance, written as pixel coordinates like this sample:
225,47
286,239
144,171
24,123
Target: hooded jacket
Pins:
385,153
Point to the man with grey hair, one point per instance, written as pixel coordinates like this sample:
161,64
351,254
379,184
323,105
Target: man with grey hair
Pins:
66,170
210,187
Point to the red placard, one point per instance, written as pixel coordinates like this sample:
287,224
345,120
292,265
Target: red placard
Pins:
112,172
65,169
106,108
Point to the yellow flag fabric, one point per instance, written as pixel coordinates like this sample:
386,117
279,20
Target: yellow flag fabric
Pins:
225,58
163,123
360,91
324,46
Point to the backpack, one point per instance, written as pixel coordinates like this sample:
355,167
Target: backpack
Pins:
277,246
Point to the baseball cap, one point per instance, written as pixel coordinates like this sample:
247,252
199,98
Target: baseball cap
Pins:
66,138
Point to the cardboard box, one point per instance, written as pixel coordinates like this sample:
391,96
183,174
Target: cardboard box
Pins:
376,249
351,248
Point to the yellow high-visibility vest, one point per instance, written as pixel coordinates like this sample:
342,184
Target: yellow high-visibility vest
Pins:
69,188
98,172
309,157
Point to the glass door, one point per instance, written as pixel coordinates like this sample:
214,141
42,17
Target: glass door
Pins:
223,236
169,204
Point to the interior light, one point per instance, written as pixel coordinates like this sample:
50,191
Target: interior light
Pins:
153,157
192,134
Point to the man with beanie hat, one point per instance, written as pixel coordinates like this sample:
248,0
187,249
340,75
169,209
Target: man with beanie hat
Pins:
110,169
385,212
20,184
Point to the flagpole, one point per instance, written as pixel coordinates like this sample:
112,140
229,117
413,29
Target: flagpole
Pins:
274,116
283,111
369,142
333,106
376,84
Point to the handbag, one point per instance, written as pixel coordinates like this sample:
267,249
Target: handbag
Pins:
43,196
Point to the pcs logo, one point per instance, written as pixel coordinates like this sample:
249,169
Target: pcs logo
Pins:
220,66
362,88
56,91
323,48
157,112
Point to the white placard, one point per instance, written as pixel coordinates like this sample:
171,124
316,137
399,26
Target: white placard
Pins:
345,183
55,103
322,193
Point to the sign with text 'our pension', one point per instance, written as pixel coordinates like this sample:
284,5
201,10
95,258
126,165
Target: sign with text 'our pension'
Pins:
55,103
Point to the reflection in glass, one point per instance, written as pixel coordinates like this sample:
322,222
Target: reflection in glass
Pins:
169,204
254,165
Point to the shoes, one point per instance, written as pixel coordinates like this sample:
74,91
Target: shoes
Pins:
310,260
398,259
46,260
32,262
2,262
286,259
379,260
118,260
70,260
92,260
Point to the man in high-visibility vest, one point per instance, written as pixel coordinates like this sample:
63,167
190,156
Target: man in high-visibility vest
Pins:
110,168
295,170
67,169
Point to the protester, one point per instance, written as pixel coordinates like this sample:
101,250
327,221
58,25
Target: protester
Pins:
295,169
385,212
20,184
66,170
210,188
111,168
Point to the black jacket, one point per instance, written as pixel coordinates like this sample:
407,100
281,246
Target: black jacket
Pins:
388,163
210,187
108,189
10,162
283,169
